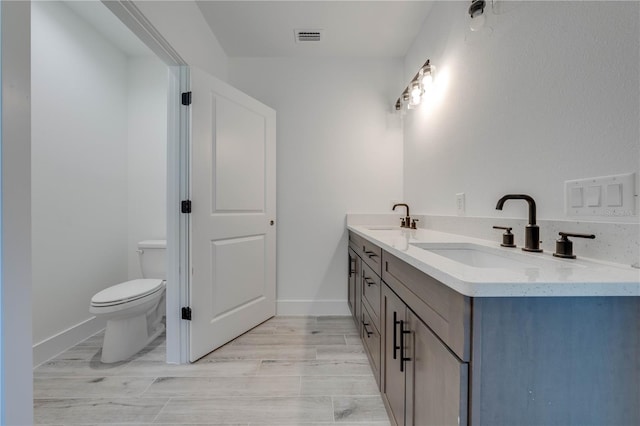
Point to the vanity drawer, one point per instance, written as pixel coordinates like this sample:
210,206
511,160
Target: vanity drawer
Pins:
445,311
372,255
371,290
355,243
371,339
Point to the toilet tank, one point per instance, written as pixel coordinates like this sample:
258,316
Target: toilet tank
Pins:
153,259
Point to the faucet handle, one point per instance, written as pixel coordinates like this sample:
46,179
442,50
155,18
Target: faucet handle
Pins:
564,246
507,237
413,223
402,223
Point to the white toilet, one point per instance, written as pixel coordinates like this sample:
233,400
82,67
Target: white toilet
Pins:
134,309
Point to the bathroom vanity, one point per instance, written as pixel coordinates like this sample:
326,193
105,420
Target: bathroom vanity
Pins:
462,331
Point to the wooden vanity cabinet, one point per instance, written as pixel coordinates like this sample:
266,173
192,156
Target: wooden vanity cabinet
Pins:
436,380
424,382
530,361
415,332
364,296
394,380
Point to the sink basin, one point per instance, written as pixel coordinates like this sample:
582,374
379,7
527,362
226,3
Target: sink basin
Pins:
474,255
383,228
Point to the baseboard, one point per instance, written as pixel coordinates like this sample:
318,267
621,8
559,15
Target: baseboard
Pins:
312,307
55,345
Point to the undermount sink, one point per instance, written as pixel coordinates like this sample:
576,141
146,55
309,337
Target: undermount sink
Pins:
473,255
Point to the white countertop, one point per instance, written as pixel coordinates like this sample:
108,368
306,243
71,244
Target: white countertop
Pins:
527,275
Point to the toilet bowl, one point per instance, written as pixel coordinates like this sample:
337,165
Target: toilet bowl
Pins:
133,309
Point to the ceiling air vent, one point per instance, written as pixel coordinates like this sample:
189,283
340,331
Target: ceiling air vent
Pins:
303,36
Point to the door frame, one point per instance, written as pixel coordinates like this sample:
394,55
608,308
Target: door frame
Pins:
16,346
16,374
178,167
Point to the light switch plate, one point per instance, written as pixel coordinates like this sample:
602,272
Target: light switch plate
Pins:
460,207
604,196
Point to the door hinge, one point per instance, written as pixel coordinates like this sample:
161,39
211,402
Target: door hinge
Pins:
186,98
185,206
186,313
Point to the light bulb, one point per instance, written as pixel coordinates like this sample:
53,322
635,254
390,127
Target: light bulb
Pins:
427,80
416,94
477,22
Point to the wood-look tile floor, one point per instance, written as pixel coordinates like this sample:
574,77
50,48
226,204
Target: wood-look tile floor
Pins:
309,371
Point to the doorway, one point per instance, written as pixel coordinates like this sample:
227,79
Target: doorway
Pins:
99,163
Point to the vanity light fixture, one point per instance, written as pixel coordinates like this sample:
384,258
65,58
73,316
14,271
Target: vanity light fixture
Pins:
414,93
476,11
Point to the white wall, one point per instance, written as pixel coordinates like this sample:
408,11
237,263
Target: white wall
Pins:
79,168
336,152
550,95
16,384
182,25
147,155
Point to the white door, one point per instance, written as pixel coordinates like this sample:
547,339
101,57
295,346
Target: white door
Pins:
233,194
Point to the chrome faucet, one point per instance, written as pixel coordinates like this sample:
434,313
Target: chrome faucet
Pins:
406,221
531,231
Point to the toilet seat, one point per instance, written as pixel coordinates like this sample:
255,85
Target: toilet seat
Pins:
126,292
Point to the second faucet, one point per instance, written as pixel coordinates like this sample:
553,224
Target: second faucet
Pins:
406,221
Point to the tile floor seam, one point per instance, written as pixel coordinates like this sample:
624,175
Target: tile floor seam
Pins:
149,386
160,411
333,409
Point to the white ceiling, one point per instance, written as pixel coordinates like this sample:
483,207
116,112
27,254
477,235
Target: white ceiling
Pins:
351,28
106,23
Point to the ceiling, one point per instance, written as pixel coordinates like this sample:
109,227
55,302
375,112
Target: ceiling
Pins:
350,28
266,28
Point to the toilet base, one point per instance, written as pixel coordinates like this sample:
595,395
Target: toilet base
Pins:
131,326
124,337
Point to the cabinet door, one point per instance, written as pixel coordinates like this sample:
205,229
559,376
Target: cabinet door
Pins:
371,339
437,381
371,284
393,383
357,298
351,288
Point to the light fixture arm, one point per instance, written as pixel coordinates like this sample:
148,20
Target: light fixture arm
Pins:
476,8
